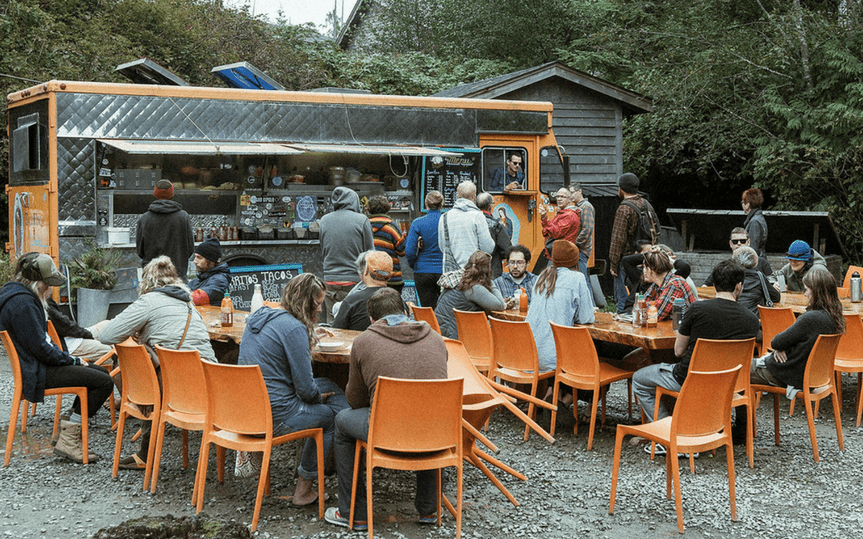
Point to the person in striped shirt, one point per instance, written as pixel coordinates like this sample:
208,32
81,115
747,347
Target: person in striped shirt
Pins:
387,236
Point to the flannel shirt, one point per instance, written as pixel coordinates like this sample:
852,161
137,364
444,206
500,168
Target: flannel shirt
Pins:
623,232
508,286
587,215
673,287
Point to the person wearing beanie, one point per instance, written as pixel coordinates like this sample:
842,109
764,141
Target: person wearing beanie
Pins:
560,295
353,313
165,229
801,258
624,233
209,287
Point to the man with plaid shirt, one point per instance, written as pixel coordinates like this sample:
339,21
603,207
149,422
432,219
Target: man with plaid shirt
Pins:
623,234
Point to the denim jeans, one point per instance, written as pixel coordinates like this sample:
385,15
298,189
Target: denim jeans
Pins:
314,416
644,384
582,265
427,288
620,289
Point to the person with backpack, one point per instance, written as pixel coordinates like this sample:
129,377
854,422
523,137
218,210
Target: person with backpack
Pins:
634,220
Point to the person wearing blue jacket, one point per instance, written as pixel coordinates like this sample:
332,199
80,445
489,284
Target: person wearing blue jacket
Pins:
209,287
280,341
423,253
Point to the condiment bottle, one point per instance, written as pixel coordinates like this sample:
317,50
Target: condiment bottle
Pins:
636,310
856,288
227,311
652,314
677,309
522,300
257,299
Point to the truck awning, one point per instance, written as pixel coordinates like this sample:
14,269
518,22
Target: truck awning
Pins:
376,150
184,147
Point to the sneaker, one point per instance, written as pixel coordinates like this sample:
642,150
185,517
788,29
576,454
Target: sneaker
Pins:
430,519
660,450
334,517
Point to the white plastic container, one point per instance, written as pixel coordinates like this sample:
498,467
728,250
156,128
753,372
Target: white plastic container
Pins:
118,235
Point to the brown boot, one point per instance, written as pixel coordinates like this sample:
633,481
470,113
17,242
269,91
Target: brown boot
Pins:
63,417
69,443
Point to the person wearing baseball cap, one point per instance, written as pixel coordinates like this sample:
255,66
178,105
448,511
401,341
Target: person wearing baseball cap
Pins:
801,258
209,287
165,230
44,365
353,313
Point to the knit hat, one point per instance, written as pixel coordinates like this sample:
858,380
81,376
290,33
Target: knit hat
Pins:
379,265
628,183
41,268
210,249
799,250
564,254
164,190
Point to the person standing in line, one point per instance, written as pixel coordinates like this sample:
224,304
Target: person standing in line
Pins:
462,230
563,226
586,224
345,234
165,229
484,202
755,224
423,252
623,234
387,237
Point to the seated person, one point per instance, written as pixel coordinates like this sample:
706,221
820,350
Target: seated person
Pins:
474,292
801,259
78,341
665,285
517,260
352,311
397,347
209,287
756,291
280,342
508,177
740,238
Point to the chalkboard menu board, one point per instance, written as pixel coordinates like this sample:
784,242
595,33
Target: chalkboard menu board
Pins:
272,279
445,173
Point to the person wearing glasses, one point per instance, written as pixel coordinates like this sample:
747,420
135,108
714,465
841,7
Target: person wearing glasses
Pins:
517,259
563,226
508,177
740,238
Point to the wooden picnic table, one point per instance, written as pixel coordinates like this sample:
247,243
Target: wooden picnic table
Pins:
212,316
796,300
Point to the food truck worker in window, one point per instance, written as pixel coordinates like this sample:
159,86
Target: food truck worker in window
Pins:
209,287
508,177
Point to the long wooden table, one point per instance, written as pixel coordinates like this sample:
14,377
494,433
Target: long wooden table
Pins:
796,300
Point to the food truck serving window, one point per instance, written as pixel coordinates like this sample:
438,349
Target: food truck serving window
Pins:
504,168
29,148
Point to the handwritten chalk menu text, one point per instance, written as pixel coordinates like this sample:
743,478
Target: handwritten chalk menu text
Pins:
272,279
443,173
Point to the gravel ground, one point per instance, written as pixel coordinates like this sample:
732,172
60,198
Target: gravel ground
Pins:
787,494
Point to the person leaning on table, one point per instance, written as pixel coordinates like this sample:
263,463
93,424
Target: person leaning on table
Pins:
801,258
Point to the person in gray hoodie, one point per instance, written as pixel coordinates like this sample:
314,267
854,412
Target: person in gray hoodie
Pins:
279,341
463,230
345,233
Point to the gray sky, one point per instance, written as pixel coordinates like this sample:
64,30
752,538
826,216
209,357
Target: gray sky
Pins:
295,11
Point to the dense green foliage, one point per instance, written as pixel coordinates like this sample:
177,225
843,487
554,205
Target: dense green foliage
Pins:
745,92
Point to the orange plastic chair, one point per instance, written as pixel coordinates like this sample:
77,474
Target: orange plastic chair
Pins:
774,320
18,398
578,367
700,422
516,361
711,355
414,425
849,357
845,290
140,393
475,333
818,384
425,314
184,400
479,400
239,417
273,304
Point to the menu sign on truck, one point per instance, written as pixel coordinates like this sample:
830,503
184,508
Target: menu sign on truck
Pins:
272,279
444,173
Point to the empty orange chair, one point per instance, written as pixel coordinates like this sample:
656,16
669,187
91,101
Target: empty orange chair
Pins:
141,398
578,367
239,417
711,355
414,425
700,422
845,289
17,398
849,357
425,314
516,361
475,333
774,320
184,400
818,384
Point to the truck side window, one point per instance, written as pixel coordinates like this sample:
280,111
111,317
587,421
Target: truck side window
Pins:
550,170
504,168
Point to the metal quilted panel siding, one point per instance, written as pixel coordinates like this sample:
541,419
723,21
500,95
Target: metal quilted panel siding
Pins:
76,192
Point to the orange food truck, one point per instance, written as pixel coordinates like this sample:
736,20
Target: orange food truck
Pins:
256,168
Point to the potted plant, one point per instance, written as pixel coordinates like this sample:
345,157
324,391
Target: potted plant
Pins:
92,276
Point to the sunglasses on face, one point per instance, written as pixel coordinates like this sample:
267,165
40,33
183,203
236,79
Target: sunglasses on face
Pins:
739,241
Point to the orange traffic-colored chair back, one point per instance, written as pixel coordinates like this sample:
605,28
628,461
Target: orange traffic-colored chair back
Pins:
273,304
819,365
14,361
183,385
774,320
851,269
514,345
716,355
140,383
416,416
237,399
851,343
576,354
459,365
425,314
704,405
475,333
52,332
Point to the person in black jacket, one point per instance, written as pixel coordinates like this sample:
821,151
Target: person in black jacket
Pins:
502,241
43,365
209,287
165,230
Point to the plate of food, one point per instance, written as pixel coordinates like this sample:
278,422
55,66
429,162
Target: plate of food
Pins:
329,346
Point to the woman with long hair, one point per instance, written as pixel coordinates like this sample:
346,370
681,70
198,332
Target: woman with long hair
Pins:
786,364
665,285
280,342
474,292
560,295
23,313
